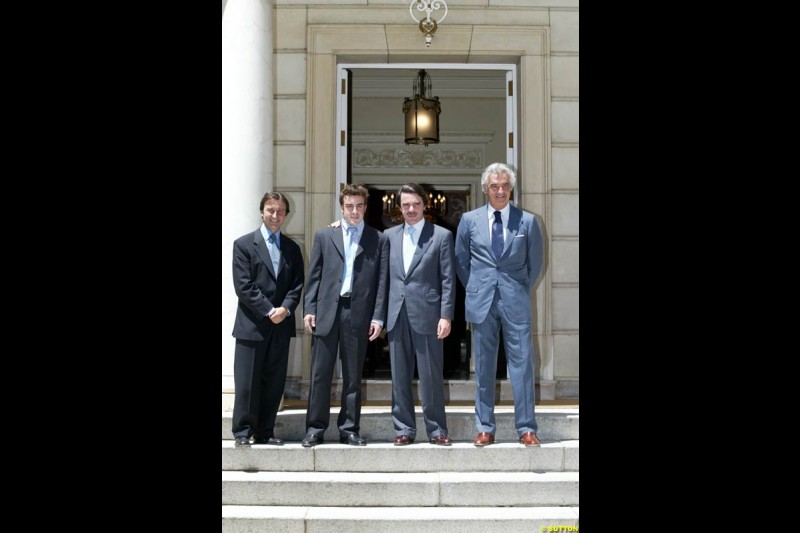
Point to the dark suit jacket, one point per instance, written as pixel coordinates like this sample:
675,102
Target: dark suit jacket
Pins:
370,267
259,289
428,289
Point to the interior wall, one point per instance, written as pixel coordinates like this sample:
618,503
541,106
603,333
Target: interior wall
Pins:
379,114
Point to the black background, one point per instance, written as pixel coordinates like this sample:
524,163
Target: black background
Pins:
112,274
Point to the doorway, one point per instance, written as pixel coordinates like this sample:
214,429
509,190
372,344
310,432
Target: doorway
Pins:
477,127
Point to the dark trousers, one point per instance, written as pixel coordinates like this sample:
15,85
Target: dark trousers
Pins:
352,348
259,375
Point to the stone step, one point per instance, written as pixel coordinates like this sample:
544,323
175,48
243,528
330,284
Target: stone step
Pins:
252,519
382,489
555,424
379,392
559,456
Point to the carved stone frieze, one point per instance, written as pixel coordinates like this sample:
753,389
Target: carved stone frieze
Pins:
467,159
464,151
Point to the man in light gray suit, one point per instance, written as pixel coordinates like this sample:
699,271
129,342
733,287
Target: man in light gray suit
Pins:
421,301
499,255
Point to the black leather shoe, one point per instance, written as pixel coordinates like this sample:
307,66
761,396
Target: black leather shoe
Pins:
312,440
241,442
268,440
353,439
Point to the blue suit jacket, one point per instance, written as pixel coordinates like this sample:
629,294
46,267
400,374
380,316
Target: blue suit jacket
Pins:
515,273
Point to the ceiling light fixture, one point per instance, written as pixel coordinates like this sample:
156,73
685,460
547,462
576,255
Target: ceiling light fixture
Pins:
422,112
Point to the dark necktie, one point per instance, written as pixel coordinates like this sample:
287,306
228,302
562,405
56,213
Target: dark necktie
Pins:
497,235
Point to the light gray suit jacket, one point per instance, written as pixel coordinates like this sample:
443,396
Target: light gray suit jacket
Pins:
428,289
515,273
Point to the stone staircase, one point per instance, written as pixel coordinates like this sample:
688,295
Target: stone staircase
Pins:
381,487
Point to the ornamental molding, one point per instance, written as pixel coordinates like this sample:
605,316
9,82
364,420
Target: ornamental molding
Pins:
387,152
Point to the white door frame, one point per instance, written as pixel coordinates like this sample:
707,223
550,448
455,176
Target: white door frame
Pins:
342,90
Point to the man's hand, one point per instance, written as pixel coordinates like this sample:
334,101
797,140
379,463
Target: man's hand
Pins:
374,330
336,224
309,323
278,314
443,328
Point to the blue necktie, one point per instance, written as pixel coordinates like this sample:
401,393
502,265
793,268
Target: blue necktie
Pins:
408,251
347,282
497,235
274,252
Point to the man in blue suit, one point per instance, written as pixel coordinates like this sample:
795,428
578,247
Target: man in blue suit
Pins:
499,257
422,295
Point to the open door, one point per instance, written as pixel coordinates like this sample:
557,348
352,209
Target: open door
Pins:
511,125
344,134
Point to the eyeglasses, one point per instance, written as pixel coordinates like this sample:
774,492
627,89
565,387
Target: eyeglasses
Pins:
497,186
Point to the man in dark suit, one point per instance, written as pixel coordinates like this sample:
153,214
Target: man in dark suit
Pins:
268,279
499,256
421,301
344,308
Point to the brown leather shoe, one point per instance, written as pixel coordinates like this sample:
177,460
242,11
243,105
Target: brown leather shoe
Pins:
442,440
529,439
483,439
403,440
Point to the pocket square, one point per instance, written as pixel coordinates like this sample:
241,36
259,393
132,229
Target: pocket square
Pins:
518,236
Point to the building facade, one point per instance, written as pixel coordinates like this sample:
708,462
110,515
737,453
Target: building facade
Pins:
282,129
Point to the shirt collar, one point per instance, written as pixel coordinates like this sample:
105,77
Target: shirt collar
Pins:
417,227
266,233
344,225
503,212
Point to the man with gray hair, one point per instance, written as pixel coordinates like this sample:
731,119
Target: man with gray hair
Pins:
499,258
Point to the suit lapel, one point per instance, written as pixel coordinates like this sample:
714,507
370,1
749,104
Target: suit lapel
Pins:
338,240
396,243
423,243
514,220
359,246
282,258
483,226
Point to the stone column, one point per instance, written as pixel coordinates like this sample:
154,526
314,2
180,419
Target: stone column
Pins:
247,111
